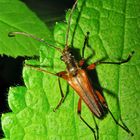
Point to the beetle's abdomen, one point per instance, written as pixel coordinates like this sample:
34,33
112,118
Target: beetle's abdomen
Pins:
92,98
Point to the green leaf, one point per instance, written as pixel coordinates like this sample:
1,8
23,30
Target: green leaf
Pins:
114,28
15,16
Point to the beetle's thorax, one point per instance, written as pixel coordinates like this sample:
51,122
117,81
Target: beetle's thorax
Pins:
69,60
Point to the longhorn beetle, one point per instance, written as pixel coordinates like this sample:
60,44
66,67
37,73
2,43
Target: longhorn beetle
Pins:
76,75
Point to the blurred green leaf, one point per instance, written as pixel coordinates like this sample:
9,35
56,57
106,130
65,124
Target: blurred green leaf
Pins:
15,16
114,28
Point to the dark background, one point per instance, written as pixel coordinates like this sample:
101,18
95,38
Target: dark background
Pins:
49,11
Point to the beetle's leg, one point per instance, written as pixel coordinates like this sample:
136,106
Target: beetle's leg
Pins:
79,113
92,66
85,44
81,62
61,74
123,126
119,62
126,126
97,128
62,96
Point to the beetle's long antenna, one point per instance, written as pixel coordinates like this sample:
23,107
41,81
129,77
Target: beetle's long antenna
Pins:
69,22
13,34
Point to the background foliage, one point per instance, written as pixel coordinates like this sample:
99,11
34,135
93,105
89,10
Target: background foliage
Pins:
114,27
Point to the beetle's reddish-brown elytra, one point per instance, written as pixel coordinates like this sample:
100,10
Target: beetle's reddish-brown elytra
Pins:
76,74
